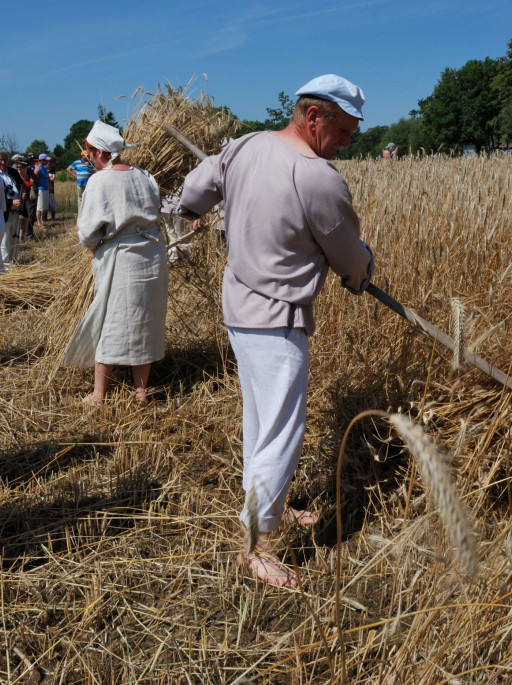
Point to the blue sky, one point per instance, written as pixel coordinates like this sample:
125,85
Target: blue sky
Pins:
61,59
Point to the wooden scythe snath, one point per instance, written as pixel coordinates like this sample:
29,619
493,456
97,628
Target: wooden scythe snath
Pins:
409,315
425,327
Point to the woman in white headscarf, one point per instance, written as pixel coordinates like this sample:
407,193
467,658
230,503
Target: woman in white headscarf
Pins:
118,222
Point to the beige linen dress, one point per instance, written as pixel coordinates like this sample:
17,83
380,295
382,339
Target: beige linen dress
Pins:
125,323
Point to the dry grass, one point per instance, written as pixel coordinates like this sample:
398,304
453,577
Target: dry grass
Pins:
160,153
119,527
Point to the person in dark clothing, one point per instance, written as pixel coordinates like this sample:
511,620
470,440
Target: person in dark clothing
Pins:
11,186
32,198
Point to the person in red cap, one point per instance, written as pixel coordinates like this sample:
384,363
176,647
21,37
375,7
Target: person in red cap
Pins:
288,218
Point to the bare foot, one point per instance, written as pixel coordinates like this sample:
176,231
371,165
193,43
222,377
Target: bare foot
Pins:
93,400
302,517
268,568
141,397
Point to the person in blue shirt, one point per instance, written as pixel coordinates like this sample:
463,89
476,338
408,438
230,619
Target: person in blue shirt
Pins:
81,170
43,188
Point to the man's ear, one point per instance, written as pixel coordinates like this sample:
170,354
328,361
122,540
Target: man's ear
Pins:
312,113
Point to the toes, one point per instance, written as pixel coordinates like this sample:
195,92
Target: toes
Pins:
268,569
141,398
302,517
92,400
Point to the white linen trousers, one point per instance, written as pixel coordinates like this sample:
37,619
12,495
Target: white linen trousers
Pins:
273,367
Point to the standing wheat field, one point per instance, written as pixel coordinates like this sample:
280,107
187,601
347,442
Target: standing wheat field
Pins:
118,526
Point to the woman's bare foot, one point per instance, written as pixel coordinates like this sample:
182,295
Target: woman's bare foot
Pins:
268,568
302,517
93,400
141,397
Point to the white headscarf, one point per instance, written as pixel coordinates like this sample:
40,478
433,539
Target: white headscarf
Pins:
107,138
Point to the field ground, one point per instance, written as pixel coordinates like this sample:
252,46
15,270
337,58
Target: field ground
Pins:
118,527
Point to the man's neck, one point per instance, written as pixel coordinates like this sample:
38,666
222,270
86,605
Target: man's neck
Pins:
296,137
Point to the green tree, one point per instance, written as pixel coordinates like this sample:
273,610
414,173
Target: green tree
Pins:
78,131
72,142
480,105
363,145
441,112
406,134
58,151
463,108
108,117
37,146
505,122
248,126
502,82
279,117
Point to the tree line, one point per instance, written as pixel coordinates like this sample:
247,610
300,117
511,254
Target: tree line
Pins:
468,106
63,155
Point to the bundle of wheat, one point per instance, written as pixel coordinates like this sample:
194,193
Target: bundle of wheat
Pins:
161,154
66,311
33,285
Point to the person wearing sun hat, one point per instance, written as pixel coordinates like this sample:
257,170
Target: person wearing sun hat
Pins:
288,217
118,222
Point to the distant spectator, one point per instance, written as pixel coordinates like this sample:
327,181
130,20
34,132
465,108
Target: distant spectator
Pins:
10,189
389,151
21,167
81,170
32,196
43,188
52,202
3,231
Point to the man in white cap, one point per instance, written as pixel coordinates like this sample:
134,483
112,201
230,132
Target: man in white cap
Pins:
389,151
288,217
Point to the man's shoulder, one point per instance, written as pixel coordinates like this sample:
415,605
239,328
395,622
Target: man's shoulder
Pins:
319,170
318,178
238,143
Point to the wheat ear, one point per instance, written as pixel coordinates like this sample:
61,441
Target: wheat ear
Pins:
432,464
459,318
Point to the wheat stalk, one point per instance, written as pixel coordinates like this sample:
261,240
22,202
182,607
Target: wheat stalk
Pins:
459,318
432,464
252,530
